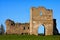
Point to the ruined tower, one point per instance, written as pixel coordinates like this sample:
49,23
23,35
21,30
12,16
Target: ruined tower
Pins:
41,16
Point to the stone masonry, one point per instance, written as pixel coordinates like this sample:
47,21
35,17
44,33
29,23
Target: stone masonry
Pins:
38,16
16,28
41,16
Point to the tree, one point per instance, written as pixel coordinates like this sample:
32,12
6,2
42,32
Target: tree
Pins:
2,29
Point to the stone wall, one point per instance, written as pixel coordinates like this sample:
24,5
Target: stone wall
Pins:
41,16
16,28
38,16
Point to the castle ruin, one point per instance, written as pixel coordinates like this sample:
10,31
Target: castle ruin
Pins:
38,16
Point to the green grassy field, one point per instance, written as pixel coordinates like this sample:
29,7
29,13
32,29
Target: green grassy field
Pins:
29,37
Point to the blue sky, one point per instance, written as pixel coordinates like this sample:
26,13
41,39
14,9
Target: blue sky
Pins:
19,10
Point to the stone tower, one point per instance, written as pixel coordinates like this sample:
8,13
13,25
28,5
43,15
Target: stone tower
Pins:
41,16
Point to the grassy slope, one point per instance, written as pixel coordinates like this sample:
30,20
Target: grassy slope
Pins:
28,37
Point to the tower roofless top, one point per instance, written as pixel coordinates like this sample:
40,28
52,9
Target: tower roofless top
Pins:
42,7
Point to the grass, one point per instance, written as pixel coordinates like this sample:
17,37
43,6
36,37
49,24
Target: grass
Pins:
29,37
